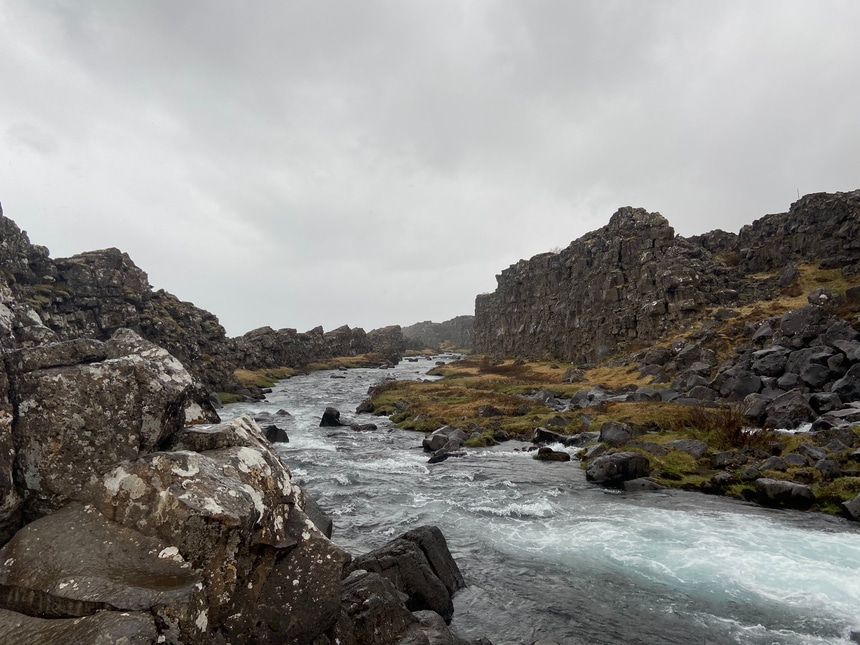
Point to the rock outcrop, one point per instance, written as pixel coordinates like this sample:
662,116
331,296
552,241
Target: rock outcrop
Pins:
457,333
632,282
202,544
92,294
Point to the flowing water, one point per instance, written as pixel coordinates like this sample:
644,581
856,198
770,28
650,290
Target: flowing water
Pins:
547,555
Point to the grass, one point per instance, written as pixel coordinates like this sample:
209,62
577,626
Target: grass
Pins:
263,378
722,428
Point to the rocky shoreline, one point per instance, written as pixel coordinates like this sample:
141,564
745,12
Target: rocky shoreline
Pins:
172,527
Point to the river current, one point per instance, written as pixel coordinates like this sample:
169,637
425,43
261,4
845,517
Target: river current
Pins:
547,555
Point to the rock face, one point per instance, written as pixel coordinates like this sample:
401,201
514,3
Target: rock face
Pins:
632,281
118,516
92,294
74,422
457,333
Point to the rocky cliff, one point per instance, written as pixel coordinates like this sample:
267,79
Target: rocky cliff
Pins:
122,523
92,294
457,333
633,282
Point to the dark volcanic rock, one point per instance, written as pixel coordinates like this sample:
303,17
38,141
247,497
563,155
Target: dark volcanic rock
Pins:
330,418
615,434
617,467
548,454
788,411
775,492
75,423
420,565
54,570
128,628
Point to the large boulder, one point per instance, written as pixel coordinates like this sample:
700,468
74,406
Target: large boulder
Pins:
128,628
617,468
788,411
234,514
615,434
75,562
848,387
83,406
420,565
776,492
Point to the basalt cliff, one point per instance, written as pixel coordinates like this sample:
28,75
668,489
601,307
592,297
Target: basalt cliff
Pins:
634,282
92,294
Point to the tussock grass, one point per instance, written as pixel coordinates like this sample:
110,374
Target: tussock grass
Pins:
263,378
722,428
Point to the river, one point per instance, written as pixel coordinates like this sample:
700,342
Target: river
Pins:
546,555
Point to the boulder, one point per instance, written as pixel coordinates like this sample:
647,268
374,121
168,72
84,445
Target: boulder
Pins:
692,447
851,508
330,418
617,467
485,411
775,492
74,422
274,434
615,434
75,562
365,406
848,387
233,513
548,454
419,564
642,484
373,612
128,628
788,411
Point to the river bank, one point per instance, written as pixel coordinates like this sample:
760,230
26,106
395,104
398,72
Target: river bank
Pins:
546,554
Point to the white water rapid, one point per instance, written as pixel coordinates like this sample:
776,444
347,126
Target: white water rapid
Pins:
548,555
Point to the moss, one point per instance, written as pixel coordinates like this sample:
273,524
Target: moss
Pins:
483,441
263,378
227,397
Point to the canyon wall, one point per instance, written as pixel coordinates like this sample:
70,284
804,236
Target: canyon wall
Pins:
632,282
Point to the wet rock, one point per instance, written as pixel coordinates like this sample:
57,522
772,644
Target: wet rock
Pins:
315,513
330,418
642,484
548,454
275,434
775,492
75,562
128,628
374,611
617,467
420,565
365,406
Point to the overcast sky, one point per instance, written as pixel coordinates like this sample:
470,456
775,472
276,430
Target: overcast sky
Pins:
309,163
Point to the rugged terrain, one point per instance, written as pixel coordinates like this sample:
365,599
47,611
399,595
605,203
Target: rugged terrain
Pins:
92,294
130,514
676,360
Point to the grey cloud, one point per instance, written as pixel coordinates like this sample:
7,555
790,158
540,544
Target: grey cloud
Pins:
370,163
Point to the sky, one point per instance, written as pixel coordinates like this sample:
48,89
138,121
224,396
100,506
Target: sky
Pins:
301,163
